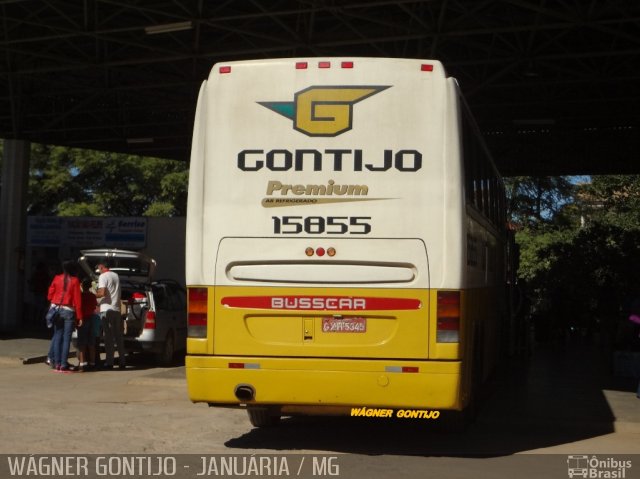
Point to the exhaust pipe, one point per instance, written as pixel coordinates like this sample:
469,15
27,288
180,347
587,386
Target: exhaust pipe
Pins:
245,392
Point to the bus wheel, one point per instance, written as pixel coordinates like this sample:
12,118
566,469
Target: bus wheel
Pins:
457,421
261,417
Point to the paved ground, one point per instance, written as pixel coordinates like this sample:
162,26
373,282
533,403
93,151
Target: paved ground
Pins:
558,403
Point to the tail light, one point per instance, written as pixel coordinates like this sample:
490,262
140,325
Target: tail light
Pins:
150,320
448,322
197,312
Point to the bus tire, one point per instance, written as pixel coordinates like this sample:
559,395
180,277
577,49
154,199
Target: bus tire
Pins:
260,417
471,410
457,421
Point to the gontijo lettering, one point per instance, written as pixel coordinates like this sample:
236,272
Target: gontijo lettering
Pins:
282,159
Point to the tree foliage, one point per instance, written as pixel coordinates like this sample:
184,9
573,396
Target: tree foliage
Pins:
578,265
73,182
538,201
612,199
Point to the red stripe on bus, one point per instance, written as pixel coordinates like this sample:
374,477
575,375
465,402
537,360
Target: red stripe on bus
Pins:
321,303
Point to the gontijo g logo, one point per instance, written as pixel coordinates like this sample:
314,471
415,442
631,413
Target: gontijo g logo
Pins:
323,110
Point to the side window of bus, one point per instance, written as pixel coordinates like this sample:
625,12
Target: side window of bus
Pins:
484,189
469,154
473,165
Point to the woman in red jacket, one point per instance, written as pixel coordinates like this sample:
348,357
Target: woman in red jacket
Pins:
65,292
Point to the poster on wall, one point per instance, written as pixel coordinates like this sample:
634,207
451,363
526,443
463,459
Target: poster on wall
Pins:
87,232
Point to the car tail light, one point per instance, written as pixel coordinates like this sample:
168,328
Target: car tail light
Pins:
197,312
448,321
150,320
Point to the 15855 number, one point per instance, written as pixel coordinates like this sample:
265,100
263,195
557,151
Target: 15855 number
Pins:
315,225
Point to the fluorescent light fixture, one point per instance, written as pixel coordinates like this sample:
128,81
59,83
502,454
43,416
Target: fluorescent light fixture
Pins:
139,141
168,27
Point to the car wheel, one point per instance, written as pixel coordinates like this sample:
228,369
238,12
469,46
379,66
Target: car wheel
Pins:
165,356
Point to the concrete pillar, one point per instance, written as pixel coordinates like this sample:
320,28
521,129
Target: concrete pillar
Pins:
13,217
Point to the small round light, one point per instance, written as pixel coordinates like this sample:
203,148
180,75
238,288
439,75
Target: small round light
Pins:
320,251
309,251
331,251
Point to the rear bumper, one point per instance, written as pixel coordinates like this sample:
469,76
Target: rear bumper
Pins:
295,383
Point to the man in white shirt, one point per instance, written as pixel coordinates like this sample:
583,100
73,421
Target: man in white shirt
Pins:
108,295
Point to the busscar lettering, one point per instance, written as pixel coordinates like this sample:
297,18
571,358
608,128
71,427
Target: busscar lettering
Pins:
331,160
318,303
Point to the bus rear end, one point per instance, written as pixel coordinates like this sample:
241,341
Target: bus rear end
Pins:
324,198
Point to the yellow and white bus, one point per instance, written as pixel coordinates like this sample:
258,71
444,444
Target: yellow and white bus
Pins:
345,240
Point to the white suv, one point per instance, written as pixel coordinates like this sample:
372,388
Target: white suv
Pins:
154,312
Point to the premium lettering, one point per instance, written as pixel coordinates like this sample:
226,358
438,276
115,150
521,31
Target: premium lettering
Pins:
330,189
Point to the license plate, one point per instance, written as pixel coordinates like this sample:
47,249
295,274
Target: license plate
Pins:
344,325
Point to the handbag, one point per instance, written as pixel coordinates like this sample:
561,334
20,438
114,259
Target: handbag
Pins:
53,317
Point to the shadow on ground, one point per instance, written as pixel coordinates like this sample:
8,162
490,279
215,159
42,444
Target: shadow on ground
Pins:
555,397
